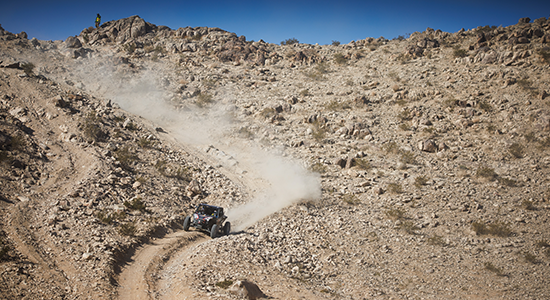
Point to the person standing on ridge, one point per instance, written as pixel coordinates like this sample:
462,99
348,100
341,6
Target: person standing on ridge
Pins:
97,20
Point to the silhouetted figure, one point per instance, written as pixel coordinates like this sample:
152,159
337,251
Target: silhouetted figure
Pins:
97,21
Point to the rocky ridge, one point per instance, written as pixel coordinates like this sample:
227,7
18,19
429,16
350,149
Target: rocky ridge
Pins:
432,153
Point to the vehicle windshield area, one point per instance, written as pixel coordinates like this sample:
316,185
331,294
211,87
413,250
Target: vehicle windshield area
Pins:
207,210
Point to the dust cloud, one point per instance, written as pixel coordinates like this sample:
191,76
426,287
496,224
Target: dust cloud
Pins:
273,181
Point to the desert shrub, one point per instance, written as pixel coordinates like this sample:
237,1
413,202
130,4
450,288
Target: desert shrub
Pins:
319,132
542,244
161,166
290,41
17,143
530,137
304,93
4,249
404,127
28,68
351,199
405,115
524,83
335,43
203,99
268,112
491,268
246,133
516,150
181,174
92,128
408,226
129,47
390,148
528,205
420,181
363,164
340,59
507,182
106,217
135,204
318,168
128,229
544,143
528,257
395,214
407,157
486,173
457,52
337,106
486,106
436,240
395,188
125,157
497,229
145,143
224,284
394,76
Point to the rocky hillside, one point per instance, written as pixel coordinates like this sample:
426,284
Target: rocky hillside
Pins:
389,169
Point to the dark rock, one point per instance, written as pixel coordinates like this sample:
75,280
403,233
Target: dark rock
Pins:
73,42
524,20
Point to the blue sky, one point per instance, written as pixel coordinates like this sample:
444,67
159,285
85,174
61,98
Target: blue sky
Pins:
273,21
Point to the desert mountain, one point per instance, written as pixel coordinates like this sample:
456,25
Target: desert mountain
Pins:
412,168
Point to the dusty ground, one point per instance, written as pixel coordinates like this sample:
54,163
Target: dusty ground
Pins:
402,169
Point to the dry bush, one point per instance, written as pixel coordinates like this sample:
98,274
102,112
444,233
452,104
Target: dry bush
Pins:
340,59
394,188
224,284
459,53
203,99
363,164
516,150
136,204
128,229
491,268
408,226
407,157
436,240
497,229
92,128
318,168
351,199
395,214
528,205
487,173
420,181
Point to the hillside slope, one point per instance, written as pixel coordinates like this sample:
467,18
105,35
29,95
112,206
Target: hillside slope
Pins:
410,168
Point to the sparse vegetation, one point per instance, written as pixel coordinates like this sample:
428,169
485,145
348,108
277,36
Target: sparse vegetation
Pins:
335,43
351,199
420,181
135,204
363,164
125,157
459,53
145,143
290,41
318,168
340,59
92,129
128,229
28,68
395,214
545,55
497,229
224,284
408,226
203,99
394,188
407,157
487,173
516,150
528,205
491,268
436,240
337,106
319,131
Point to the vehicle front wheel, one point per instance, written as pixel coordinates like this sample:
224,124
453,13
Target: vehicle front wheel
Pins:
214,231
227,228
186,223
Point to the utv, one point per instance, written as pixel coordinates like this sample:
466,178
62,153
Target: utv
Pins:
208,218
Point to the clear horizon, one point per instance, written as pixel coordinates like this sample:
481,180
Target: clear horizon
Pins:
309,22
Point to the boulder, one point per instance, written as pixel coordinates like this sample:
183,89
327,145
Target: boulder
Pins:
73,42
427,146
246,289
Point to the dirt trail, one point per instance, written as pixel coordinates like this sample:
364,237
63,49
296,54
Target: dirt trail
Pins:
137,280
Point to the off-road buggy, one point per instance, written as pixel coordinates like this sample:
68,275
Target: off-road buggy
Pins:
208,218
